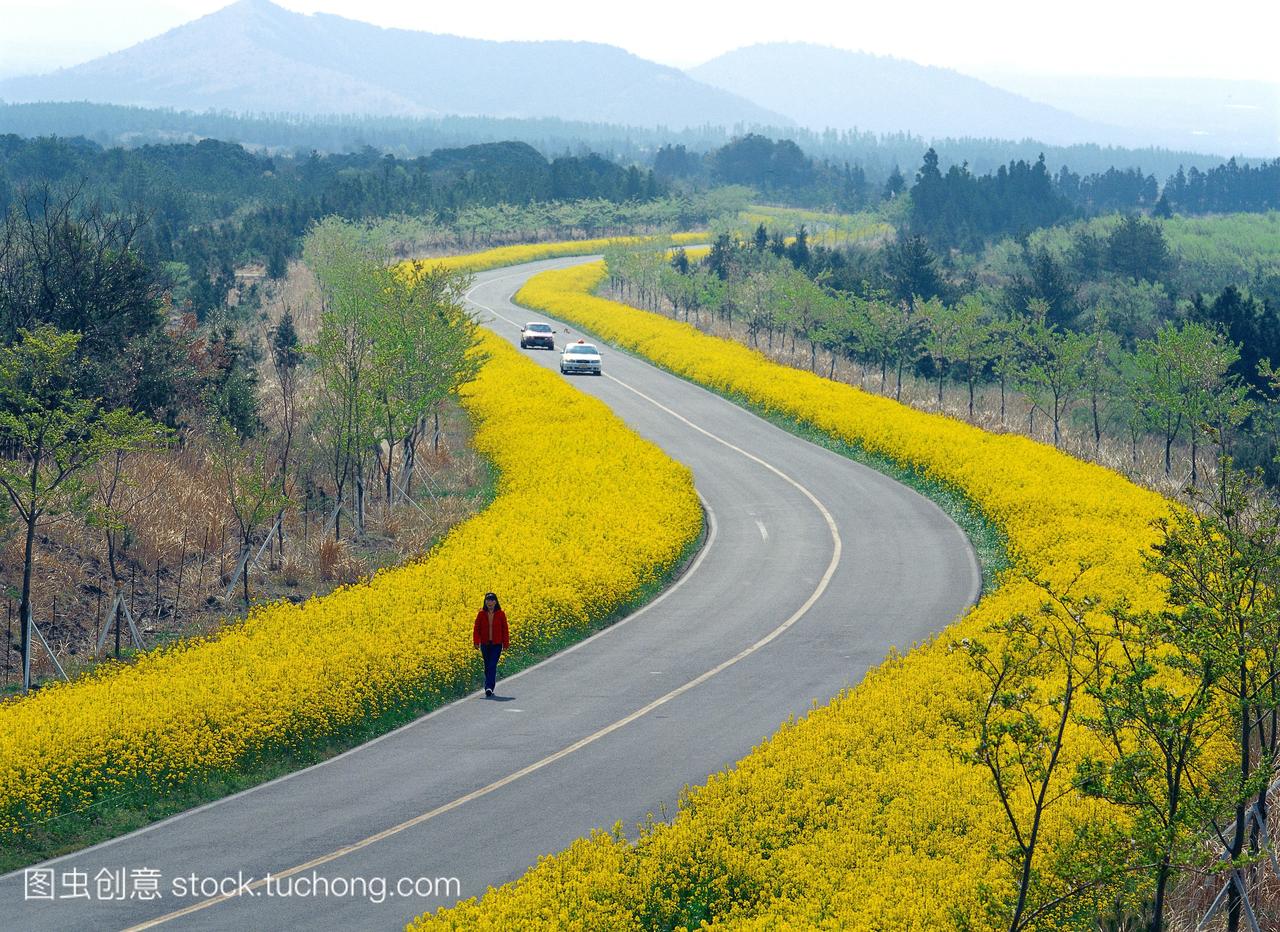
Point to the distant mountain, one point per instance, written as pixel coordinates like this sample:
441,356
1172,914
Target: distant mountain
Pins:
256,57
821,87
1227,117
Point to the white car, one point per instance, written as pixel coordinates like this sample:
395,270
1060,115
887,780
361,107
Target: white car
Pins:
536,333
580,357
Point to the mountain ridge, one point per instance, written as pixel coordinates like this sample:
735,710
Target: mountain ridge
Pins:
822,86
811,84
254,56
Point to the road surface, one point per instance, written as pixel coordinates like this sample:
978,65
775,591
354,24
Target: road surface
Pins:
813,568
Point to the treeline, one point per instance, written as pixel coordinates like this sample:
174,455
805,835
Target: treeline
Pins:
1135,272
961,210
1229,187
66,264
409,137
779,169
955,208
1200,376
211,206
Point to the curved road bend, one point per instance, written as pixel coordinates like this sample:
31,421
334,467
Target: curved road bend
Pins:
814,567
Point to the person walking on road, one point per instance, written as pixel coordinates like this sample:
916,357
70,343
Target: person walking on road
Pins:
490,635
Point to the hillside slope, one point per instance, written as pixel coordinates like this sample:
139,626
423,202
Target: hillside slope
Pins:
254,56
822,87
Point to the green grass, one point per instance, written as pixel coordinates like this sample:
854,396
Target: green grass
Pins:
1209,252
863,227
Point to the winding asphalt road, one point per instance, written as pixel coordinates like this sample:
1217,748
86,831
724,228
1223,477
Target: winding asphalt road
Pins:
813,568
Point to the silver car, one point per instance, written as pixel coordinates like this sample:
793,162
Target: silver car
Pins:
536,333
580,357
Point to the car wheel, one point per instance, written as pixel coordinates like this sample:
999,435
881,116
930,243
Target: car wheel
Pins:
522,344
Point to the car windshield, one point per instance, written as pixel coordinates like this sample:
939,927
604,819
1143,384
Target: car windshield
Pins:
539,328
582,348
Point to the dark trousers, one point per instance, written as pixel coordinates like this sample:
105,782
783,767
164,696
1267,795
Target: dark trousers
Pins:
490,652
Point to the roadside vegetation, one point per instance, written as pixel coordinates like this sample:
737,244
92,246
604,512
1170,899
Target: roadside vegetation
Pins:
223,389
162,475
88,759
1083,749
1105,338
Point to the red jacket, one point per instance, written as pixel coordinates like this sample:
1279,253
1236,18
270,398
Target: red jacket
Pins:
484,633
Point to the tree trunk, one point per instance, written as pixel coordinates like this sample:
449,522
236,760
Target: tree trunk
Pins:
1157,911
1234,900
1270,745
24,606
117,584
244,577
360,496
1033,838
386,483
337,500
410,445
284,482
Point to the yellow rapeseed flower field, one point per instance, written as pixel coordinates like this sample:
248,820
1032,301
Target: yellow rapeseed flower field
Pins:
289,674
861,815
530,252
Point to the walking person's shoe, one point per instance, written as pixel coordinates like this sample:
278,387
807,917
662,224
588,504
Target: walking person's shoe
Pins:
488,693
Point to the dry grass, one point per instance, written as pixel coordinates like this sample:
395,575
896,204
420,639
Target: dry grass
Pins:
299,293
333,562
1193,894
181,550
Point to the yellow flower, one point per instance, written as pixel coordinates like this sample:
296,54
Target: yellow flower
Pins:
289,674
859,816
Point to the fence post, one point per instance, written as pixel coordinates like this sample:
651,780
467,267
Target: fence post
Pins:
32,626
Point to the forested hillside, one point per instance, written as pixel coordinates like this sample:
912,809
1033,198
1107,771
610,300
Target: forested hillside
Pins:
209,207
408,137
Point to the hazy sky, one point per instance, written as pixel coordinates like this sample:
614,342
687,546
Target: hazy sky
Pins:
1103,37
